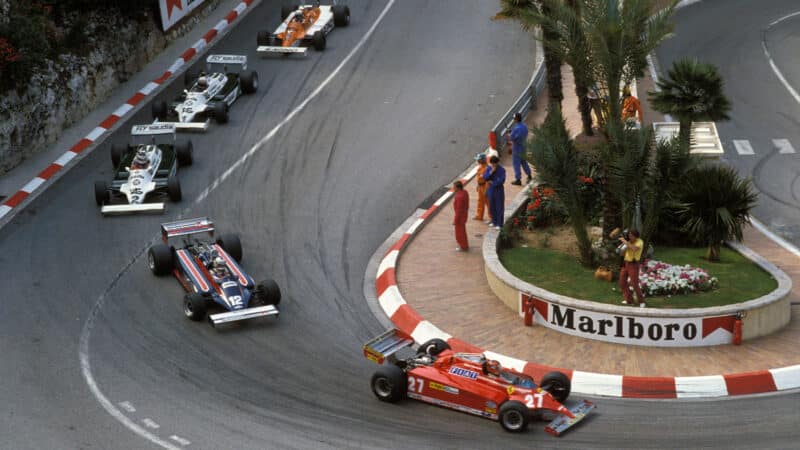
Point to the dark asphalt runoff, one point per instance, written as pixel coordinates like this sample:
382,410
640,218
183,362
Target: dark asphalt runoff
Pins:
312,204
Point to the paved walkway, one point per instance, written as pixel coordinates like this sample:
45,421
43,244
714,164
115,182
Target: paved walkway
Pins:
449,289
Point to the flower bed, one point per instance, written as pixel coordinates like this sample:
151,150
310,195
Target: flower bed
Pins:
660,278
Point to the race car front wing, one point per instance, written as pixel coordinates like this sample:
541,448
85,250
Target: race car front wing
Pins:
561,423
243,314
283,50
141,208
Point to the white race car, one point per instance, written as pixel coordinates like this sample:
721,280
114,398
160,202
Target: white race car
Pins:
145,172
303,26
208,94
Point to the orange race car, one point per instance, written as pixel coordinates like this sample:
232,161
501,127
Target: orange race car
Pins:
303,26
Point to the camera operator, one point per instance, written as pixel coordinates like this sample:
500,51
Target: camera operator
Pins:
629,274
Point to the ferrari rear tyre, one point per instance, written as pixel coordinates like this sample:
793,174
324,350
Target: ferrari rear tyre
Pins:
341,15
159,109
318,41
174,189
513,416
389,383
220,110
232,245
287,9
249,82
194,306
159,259
269,293
116,155
101,194
433,347
262,38
185,153
557,384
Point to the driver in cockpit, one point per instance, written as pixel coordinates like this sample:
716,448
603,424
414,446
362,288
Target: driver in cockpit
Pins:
218,269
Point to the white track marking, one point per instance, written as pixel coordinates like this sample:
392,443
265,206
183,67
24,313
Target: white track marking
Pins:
772,65
83,347
127,406
65,158
743,147
4,209
299,108
150,423
94,134
783,145
180,440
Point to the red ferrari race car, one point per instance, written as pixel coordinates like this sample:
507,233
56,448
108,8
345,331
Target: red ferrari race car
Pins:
469,382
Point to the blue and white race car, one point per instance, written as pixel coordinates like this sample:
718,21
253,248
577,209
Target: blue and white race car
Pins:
209,271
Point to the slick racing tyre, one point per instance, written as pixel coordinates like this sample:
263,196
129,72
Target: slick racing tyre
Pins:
341,15
288,9
220,111
116,155
232,245
389,383
174,189
159,110
189,77
318,41
194,306
513,416
262,38
249,82
432,347
557,384
185,153
159,259
268,292
101,194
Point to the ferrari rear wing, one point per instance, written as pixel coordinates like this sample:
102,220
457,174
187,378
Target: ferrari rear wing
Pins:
387,344
243,314
281,50
186,227
561,423
142,208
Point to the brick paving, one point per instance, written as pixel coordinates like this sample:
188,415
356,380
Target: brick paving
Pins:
449,288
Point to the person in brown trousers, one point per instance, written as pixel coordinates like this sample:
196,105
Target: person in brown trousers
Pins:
480,187
461,208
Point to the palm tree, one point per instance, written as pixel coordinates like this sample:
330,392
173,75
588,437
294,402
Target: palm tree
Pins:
715,205
691,91
556,160
522,10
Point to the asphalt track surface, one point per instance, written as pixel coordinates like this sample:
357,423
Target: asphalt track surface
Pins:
311,206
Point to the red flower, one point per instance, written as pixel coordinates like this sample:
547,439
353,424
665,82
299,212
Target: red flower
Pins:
537,203
549,192
531,218
531,206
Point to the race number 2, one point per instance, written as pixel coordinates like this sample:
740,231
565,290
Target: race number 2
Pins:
534,401
415,385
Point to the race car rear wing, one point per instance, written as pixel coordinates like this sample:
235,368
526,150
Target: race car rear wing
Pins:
243,314
267,49
386,345
142,208
197,127
186,227
225,61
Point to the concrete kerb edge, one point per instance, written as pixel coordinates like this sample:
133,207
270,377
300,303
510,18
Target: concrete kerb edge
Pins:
122,120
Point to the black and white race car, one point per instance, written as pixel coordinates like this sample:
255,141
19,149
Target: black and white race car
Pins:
145,172
303,26
208,94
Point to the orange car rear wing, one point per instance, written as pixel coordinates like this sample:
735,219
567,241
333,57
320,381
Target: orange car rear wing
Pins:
387,344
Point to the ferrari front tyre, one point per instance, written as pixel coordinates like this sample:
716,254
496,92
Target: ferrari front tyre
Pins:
220,110
557,384
262,38
389,383
232,246
287,9
341,15
116,155
268,292
433,347
159,109
101,194
249,82
513,416
185,153
318,41
159,259
194,306
174,189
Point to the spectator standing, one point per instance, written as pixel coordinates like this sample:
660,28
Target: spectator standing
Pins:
631,108
495,176
629,274
518,136
480,186
461,209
